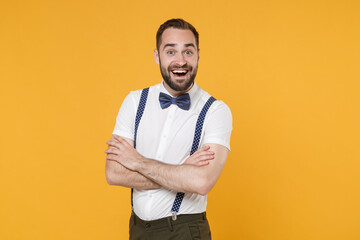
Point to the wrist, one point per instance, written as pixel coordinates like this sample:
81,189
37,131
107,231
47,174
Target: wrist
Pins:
138,163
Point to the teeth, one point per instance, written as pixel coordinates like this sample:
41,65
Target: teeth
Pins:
179,71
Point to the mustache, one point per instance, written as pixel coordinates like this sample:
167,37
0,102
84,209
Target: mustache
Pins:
177,66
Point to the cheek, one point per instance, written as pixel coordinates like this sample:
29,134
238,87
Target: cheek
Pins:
193,61
165,61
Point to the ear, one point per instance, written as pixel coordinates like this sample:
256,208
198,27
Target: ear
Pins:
198,54
156,56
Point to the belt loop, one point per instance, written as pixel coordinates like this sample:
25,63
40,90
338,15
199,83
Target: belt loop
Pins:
169,220
204,215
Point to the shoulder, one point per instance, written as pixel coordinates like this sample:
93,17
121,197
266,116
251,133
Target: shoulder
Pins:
135,95
216,106
218,124
220,113
220,105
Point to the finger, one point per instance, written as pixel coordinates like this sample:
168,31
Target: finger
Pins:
109,147
207,153
203,163
125,143
112,157
202,153
206,157
203,149
113,144
121,142
112,151
200,160
206,147
118,138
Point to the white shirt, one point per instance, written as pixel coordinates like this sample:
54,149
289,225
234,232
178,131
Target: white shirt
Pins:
166,135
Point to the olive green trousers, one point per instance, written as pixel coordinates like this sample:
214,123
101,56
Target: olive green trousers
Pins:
185,227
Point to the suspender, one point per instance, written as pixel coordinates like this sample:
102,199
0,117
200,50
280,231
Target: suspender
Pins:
139,113
199,125
197,135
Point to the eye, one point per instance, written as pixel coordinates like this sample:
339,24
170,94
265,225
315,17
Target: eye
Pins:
188,52
170,52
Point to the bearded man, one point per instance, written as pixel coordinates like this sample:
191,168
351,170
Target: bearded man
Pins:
170,143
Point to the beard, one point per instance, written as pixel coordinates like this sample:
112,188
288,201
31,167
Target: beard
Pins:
189,80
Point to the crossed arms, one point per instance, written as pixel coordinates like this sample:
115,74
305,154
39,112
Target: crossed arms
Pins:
126,167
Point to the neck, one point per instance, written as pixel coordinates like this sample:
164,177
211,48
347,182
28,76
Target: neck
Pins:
175,93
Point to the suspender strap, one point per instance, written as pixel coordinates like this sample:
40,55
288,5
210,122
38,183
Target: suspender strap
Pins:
199,125
139,113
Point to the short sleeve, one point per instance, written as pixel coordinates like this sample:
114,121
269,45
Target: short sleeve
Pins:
218,125
125,120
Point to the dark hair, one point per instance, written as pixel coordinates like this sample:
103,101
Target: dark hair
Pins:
177,23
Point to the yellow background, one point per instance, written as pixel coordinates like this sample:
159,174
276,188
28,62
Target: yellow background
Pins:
289,70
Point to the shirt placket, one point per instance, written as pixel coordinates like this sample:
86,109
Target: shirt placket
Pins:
164,137
165,133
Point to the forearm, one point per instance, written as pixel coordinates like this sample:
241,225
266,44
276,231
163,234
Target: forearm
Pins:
116,174
197,178
185,178
180,178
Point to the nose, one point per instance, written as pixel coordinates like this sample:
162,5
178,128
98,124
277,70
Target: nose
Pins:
180,60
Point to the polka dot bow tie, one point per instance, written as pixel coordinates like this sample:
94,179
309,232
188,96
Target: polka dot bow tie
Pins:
182,101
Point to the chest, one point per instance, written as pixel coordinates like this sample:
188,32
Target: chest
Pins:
166,135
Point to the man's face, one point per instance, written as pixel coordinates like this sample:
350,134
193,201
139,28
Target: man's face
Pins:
178,57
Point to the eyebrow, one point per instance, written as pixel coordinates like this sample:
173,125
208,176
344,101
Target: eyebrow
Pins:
169,45
174,44
190,45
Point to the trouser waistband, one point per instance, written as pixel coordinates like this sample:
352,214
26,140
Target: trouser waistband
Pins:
167,221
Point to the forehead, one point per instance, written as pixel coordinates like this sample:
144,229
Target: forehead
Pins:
179,37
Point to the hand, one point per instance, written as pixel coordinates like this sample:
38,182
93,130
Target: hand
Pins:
121,151
110,147
201,157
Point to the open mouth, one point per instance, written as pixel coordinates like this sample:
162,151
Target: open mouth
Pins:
179,73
